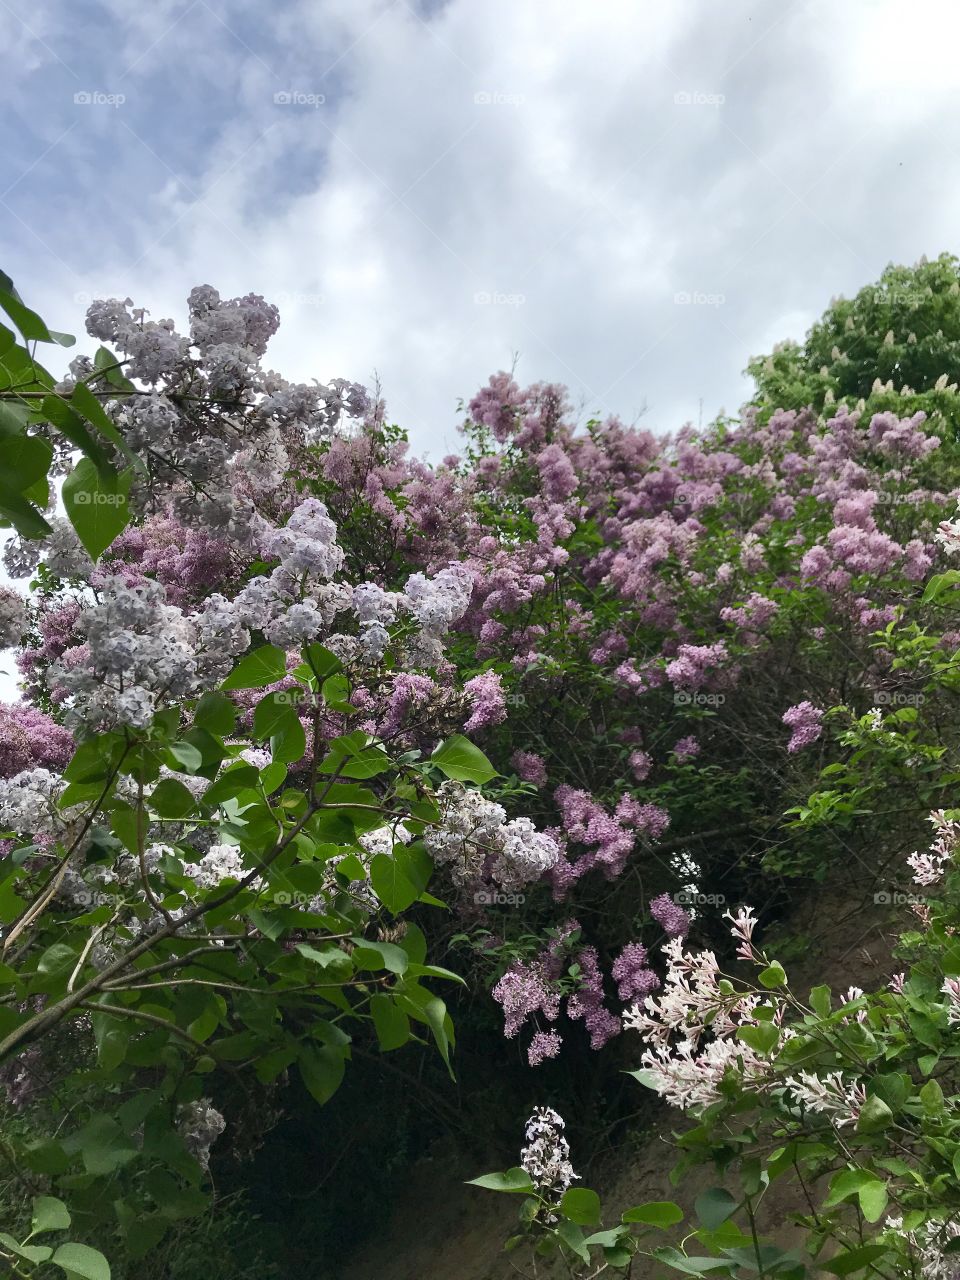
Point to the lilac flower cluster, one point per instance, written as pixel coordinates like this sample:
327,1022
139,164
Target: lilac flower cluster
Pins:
806,722
475,842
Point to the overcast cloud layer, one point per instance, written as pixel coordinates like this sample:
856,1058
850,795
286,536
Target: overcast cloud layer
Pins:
634,197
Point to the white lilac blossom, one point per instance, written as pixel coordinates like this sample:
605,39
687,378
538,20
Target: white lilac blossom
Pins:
200,1124
675,1025
13,618
64,554
436,603
475,841
28,803
928,868
138,648
929,1244
526,854
220,862
948,535
546,1157
307,544
383,839
829,1095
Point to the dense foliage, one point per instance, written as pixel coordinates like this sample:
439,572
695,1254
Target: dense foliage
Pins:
319,739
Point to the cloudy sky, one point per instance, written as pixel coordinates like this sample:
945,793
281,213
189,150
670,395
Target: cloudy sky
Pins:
629,197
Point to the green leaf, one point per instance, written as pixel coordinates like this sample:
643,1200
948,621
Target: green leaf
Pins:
847,1183
26,459
321,1070
763,1037
940,583
874,1116
457,758
321,661
354,756
391,1023
91,408
31,1252
273,711
820,1001
873,1200
513,1180
843,1264
254,670
657,1213
215,713
80,1262
572,1237
112,1037
56,410
931,1098
581,1205
773,976
715,1206
31,327
185,756
171,799
379,955
97,504
23,515
49,1214
289,742
690,1266
608,1239
390,884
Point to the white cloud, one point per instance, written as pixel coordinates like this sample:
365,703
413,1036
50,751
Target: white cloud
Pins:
815,145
